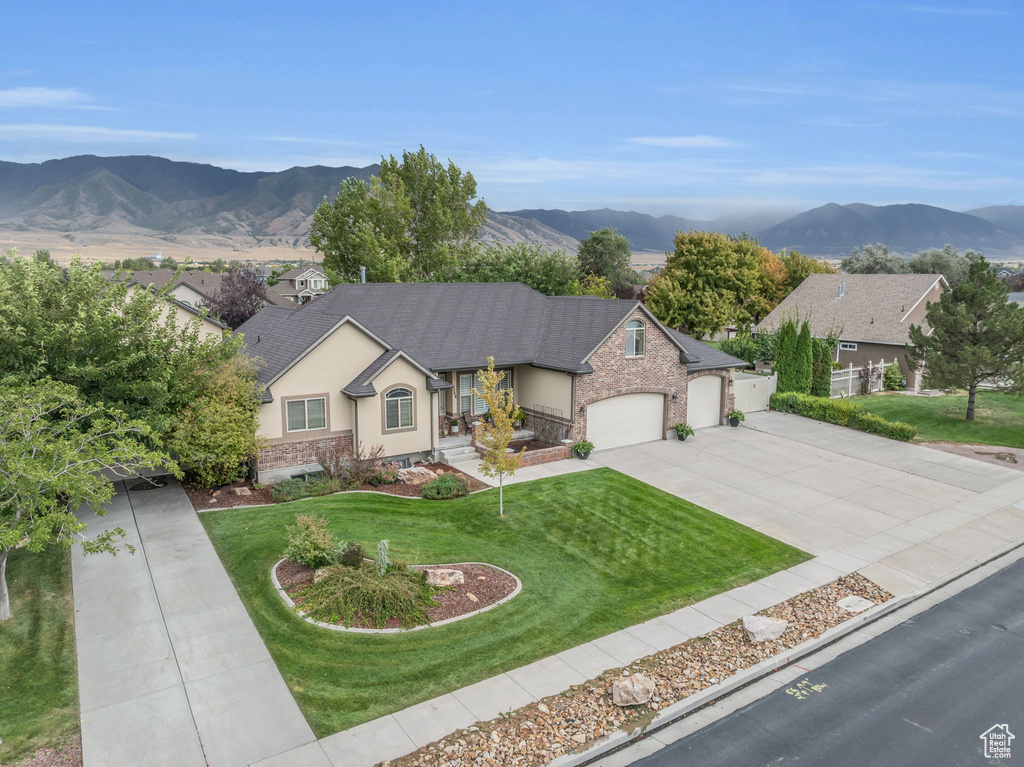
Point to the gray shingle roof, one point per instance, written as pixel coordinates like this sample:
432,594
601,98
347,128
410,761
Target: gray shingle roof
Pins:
871,309
446,326
705,357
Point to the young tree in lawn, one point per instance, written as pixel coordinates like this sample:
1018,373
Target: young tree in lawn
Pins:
53,446
494,437
605,253
406,224
241,294
976,335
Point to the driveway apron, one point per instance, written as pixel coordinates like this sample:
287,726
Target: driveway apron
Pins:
171,669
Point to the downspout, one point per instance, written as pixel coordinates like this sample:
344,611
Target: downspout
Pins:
355,424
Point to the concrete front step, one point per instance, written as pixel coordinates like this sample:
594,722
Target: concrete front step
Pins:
458,455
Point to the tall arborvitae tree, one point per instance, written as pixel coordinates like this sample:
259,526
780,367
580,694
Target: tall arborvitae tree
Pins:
785,354
803,360
821,375
976,335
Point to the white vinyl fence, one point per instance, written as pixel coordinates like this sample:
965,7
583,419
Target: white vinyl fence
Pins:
850,381
752,392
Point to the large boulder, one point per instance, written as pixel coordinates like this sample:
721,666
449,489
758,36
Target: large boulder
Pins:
416,475
763,629
632,690
443,576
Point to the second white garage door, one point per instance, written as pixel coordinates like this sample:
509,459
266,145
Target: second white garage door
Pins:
704,402
626,420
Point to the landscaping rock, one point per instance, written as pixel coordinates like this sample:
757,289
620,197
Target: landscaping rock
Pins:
762,629
855,604
632,690
472,597
415,475
242,491
445,577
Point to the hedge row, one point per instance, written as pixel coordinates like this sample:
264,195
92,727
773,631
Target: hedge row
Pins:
842,413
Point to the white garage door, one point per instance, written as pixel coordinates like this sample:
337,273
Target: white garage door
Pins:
626,420
704,402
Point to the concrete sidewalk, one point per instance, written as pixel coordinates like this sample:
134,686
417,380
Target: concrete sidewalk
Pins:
171,669
902,515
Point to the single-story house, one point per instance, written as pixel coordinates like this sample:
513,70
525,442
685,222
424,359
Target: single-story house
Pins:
196,287
871,312
385,364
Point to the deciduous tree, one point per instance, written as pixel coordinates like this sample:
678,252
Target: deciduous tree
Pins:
412,220
949,262
976,335
494,436
551,273
799,267
874,259
53,446
605,253
241,294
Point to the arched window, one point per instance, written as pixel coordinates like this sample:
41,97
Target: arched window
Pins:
398,409
635,338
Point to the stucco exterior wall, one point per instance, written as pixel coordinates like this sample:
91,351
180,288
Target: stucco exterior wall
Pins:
189,295
331,365
658,371
549,388
371,431
918,313
183,317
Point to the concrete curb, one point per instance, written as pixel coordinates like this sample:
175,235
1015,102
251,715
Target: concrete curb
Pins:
333,627
709,695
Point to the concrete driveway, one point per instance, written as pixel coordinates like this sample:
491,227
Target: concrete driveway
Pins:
901,514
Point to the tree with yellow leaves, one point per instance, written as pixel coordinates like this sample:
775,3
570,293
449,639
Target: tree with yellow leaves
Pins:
494,435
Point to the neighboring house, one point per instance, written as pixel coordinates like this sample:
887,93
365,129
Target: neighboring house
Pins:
1007,274
380,364
302,284
872,312
184,314
195,287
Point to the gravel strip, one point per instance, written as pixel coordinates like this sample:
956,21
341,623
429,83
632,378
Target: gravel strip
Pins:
573,720
64,755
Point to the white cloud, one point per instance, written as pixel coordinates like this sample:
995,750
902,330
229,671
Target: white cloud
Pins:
687,142
42,97
86,133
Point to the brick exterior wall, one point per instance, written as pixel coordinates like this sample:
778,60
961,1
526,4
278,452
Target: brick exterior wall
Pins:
283,455
659,371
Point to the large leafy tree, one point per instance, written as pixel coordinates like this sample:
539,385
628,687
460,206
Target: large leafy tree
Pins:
605,253
709,281
412,220
874,259
799,267
551,273
241,294
976,335
53,446
948,261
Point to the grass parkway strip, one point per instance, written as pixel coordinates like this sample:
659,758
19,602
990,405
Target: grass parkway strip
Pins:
596,552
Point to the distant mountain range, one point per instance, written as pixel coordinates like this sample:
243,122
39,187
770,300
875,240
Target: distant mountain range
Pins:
156,196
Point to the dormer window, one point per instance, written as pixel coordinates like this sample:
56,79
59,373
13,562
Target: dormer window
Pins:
635,338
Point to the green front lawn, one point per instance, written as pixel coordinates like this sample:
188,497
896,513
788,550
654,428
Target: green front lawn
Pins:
596,551
998,418
38,676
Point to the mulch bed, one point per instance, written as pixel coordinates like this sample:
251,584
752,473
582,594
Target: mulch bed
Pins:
529,444
486,583
573,720
226,497
64,755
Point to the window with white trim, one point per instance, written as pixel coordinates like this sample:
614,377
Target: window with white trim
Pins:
306,414
468,401
398,409
635,332
847,346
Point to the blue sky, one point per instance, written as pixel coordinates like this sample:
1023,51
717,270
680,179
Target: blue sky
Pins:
696,109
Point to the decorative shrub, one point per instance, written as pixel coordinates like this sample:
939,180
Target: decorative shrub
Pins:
583,446
383,560
821,376
892,378
368,596
842,413
294,489
742,346
444,487
309,541
803,360
735,414
387,473
351,555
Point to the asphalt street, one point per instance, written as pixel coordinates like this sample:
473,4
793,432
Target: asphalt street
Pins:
920,695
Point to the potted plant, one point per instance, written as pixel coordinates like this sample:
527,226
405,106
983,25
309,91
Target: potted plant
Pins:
518,418
683,430
735,416
455,426
583,449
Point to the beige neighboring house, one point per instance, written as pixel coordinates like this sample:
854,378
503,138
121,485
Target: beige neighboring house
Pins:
872,312
302,284
390,364
185,315
195,287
